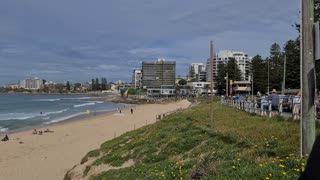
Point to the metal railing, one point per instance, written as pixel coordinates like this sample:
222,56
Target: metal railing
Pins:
258,108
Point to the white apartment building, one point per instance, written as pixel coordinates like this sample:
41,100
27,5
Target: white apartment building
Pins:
136,78
243,62
197,71
34,83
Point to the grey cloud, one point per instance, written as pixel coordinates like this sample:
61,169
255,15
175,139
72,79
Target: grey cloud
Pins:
76,35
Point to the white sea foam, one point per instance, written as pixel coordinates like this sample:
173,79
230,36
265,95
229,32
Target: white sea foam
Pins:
24,116
85,104
3,129
55,112
46,100
63,118
76,98
17,116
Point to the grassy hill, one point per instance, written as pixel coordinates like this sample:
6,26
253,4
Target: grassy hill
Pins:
184,146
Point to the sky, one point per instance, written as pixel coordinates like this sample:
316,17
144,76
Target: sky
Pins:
77,40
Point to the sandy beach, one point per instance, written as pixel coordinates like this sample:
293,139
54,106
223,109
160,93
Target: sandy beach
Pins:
51,155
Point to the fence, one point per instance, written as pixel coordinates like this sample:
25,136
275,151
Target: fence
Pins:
262,110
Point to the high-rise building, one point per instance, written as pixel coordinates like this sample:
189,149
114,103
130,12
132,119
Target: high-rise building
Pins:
197,72
35,83
159,77
194,70
136,78
242,59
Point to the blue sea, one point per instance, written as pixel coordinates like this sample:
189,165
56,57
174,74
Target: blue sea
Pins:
18,111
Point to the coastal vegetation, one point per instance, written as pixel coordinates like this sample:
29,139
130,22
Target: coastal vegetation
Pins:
184,146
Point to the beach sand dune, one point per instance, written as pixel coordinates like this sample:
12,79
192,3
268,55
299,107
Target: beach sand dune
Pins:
51,155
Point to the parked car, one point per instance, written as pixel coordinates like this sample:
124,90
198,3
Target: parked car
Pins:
287,103
317,105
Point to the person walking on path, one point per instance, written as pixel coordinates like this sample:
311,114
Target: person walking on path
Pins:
131,111
297,104
274,97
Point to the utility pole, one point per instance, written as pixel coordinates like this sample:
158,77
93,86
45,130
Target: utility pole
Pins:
211,79
252,86
227,77
268,77
284,75
307,77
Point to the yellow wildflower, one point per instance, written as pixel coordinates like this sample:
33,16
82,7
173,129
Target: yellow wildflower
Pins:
284,173
233,167
267,178
282,166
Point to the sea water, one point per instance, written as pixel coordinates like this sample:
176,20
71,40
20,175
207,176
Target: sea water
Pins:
18,111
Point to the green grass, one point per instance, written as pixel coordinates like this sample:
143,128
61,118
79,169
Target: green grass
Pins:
183,146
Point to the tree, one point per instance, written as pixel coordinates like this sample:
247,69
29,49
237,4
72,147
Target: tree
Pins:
103,84
93,84
259,68
68,85
275,66
221,82
233,70
182,82
292,52
97,84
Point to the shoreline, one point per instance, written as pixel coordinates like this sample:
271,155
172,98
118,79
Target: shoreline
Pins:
53,154
81,117
108,97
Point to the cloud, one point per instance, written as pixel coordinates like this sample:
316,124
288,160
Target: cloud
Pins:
85,39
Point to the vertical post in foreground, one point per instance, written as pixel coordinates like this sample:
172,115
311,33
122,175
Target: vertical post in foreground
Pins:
211,81
227,77
307,77
252,87
284,75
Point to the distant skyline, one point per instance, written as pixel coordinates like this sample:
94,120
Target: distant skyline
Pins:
77,40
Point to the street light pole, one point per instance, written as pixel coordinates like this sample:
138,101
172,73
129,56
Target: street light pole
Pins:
284,75
211,78
268,77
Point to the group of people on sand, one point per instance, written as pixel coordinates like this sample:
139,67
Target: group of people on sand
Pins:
40,132
120,111
6,138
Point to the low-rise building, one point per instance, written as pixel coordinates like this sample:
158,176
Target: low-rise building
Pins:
242,87
200,88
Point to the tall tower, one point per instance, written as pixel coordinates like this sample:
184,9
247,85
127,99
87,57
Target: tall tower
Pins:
211,67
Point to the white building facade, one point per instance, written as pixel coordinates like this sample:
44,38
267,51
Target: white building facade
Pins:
197,71
35,83
137,78
242,59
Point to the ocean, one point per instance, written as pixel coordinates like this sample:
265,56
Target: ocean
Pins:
19,111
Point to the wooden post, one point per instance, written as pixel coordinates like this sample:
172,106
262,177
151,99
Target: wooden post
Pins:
307,77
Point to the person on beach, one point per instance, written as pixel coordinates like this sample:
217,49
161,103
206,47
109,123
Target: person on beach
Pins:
131,111
47,130
35,131
6,138
120,111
